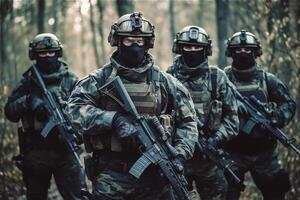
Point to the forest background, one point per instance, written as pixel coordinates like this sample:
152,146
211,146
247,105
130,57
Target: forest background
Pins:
83,27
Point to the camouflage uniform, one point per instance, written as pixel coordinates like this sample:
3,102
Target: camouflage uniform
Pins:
44,157
92,114
209,179
256,153
153,93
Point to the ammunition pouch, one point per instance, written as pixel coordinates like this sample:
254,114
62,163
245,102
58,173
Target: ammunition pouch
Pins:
214,115
93,143
168,124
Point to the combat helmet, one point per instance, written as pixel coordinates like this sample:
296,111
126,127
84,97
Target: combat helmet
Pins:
132,25
193,35
45,42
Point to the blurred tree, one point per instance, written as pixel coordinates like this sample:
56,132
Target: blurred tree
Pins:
101,8
93,27
40,16
124,7
172,20
278,28
54,9
222,11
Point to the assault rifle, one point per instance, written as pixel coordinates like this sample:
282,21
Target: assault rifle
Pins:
156,149
260,116
217,156
57,118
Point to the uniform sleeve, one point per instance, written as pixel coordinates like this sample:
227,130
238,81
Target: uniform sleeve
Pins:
186,133
73,80
83,111
17,103
279,93
230,121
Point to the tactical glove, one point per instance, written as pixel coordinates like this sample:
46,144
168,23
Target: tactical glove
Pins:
38,108
242,110
123,127
215,141
277,119
21,104
275,115
179,162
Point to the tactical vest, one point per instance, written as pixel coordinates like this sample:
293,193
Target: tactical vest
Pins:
31,123
258,140
257,87
204,94
146,96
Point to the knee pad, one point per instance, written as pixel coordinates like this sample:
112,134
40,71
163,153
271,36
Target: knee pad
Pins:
276,185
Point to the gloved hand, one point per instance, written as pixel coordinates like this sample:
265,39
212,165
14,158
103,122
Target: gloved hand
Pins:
123,127
37,106
242,110
179,162
277,119
215,141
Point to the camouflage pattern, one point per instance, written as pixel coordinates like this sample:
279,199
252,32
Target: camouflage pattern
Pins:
210,181
88,113
256,153
45,157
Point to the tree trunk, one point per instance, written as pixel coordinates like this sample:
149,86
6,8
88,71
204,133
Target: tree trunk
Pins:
277,18
95,45
55,6
124,7
101,7
41,16
172,20
222,11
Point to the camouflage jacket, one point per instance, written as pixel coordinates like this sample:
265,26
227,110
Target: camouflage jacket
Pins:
198,80
274,89
87,114
267,88
60,83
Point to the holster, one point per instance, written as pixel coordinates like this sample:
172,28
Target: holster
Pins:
90,167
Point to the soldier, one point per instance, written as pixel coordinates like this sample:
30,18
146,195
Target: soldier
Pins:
215,106
43,157
109,133
256,152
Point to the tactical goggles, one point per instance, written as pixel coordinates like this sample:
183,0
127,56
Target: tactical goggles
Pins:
247,40
193,36
47,45
138,26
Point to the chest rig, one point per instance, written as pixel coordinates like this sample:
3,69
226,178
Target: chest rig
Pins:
256,86
146,96
204,94
30,122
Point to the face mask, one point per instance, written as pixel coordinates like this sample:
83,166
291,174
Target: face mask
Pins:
47,65
193,58
243,60
131,56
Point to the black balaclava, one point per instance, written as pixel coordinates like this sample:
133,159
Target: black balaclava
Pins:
48,65
194,58
243,60
131,56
